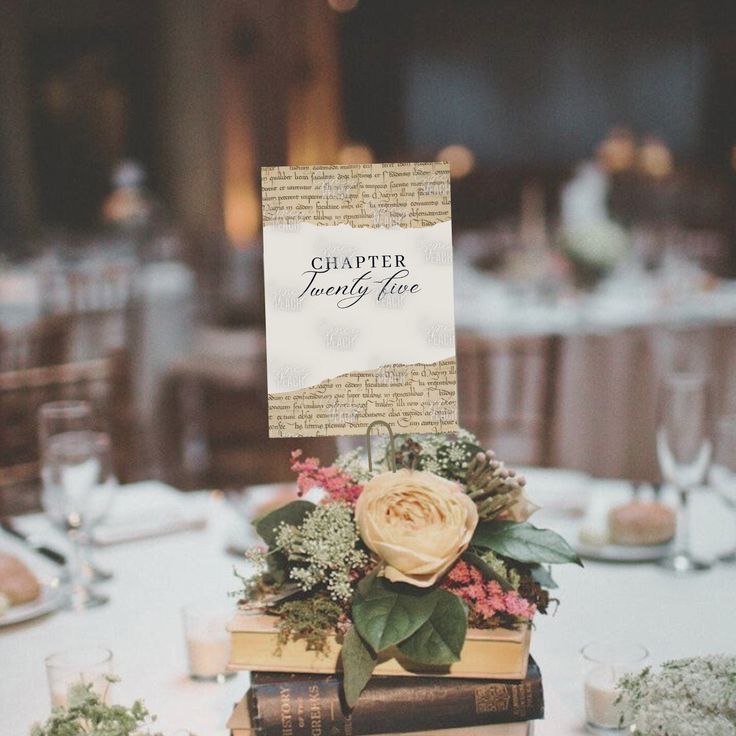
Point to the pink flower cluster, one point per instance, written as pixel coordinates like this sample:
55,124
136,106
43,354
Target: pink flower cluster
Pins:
485,597
338,485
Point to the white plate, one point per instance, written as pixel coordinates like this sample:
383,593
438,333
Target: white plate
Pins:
624,553
50,599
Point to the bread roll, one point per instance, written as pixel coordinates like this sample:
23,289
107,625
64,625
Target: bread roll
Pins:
17,583
641,523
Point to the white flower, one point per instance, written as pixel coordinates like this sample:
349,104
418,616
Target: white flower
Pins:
687,697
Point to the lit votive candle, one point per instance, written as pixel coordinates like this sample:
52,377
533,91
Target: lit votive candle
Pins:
605,663
207,641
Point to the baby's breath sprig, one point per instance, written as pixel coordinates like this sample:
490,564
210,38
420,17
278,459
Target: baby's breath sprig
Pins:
685,697
355,464
324,550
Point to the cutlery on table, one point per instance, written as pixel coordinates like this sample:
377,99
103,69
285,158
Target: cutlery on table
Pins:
50,554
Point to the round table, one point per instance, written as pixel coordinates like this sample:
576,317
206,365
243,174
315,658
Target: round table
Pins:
154,578
602,356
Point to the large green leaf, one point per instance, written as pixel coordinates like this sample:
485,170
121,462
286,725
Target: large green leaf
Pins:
358,662
524,542
439,640
292,513
488,572
386,613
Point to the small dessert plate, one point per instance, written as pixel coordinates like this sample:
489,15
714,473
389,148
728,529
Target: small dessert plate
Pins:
624,552
51,598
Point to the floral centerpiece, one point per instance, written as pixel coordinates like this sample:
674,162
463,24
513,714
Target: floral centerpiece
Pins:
685,697
405,555
594,250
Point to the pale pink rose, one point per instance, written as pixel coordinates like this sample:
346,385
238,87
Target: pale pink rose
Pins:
417,523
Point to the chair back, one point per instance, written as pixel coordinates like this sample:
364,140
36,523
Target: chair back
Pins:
214,429
100,298
103,382
44,342
506,393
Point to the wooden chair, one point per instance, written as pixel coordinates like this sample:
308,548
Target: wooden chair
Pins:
103,382
506,390
215,430
99,300
44,342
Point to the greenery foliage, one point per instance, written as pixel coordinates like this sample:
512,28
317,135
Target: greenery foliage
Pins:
313,619
524,542
88,715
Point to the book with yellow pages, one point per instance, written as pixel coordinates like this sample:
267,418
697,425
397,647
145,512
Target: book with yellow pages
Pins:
486,654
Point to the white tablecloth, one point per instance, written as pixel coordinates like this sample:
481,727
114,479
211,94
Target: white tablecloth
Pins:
154,578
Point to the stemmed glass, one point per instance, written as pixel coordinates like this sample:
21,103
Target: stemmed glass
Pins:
78,484
55,417
684,450
723,470
70,415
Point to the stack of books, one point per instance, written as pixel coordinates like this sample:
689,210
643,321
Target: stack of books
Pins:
495,690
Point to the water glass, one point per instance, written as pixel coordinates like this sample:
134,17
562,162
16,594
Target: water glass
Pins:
77,492
207,641
57,417
604,663
684,450
92,666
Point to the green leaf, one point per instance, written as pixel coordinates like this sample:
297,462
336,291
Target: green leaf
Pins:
358,662
292,513
523,542
487,570
386,613
439,640
542,575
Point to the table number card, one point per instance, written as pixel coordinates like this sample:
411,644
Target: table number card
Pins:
359,298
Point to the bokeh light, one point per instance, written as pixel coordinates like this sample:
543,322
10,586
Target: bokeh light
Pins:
618,150
655,159
355,153
460,158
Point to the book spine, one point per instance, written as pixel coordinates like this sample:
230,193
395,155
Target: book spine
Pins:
314,706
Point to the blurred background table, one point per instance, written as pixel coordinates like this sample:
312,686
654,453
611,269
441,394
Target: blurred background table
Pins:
143,627
572,381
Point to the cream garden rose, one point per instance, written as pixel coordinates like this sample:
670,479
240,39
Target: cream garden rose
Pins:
416,522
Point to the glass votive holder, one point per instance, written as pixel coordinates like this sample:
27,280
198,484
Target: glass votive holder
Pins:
604,663
91,667
207,641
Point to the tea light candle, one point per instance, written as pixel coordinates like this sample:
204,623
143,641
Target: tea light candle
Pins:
207,641
600,698
605,663
92,666
208,658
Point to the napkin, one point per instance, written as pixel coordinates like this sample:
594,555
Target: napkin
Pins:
148,509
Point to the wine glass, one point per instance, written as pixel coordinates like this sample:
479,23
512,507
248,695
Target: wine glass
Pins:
55,417
78,483
684,450
723,470
69,415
